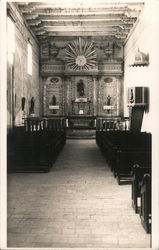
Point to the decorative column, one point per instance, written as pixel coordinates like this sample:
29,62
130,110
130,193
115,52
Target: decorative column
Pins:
63,89
98,95
67,105
44,79
41,106
94,95
120,97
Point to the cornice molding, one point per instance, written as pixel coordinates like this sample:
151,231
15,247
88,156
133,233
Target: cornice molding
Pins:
101,69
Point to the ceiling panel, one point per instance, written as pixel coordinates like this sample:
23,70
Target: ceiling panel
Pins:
78,18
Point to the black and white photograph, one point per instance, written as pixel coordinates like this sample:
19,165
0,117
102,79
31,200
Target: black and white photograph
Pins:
79,124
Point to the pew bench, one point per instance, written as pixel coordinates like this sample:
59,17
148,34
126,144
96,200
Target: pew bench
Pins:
34,151
126,159
145,194
123,149
138,174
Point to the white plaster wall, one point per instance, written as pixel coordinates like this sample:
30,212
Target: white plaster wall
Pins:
26,85
146,37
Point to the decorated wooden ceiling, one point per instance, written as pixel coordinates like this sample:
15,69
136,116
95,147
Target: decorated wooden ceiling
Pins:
111,20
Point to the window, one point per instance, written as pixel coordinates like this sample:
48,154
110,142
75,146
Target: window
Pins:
29,59
10,39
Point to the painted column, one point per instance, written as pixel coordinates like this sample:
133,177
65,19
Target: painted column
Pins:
94,95
44,96
98,96
67,95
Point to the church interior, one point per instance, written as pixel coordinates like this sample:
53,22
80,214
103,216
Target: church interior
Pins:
82,123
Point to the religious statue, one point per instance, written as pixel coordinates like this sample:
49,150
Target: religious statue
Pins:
54,100
109,51
32,105
108,100
80,87
23,103
54,103
131,96
72,102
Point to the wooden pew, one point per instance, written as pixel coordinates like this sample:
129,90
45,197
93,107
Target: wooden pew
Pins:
125,161
123,149
138,174
36,149
145,193
29,152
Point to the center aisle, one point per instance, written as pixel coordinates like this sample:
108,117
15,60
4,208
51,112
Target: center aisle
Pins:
77,204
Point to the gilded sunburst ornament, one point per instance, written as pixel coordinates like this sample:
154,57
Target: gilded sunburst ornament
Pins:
80,55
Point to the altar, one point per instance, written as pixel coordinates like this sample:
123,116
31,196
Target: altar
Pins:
81,121
87,89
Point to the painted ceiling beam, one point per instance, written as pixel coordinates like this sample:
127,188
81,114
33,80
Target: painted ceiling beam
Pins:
82,33
121,18
98,15
85,26
61,11
88,22
117,33
83,4
78,28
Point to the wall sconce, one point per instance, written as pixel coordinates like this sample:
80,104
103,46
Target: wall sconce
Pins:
141,59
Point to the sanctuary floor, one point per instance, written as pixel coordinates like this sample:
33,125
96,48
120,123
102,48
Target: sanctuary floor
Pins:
77,204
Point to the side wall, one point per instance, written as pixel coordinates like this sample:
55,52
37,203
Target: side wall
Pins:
25,85
146,38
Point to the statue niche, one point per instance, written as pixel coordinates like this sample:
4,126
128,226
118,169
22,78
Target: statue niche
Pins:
54,103
54,100
80,88
108,100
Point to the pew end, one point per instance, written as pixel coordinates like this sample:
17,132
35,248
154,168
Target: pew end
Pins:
145,212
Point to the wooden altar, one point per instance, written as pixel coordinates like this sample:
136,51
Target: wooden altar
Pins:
81,121
85,90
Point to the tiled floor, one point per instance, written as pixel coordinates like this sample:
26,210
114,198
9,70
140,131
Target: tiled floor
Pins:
77,204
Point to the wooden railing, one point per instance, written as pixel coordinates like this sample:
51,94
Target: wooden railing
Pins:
35,146
38,124
112,123
60,123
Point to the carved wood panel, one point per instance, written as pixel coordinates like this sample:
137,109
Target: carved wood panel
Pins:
80,99
53,96
99,96
109,96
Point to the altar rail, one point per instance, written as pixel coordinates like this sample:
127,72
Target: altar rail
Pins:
38,124
76,121
112,123
81,122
